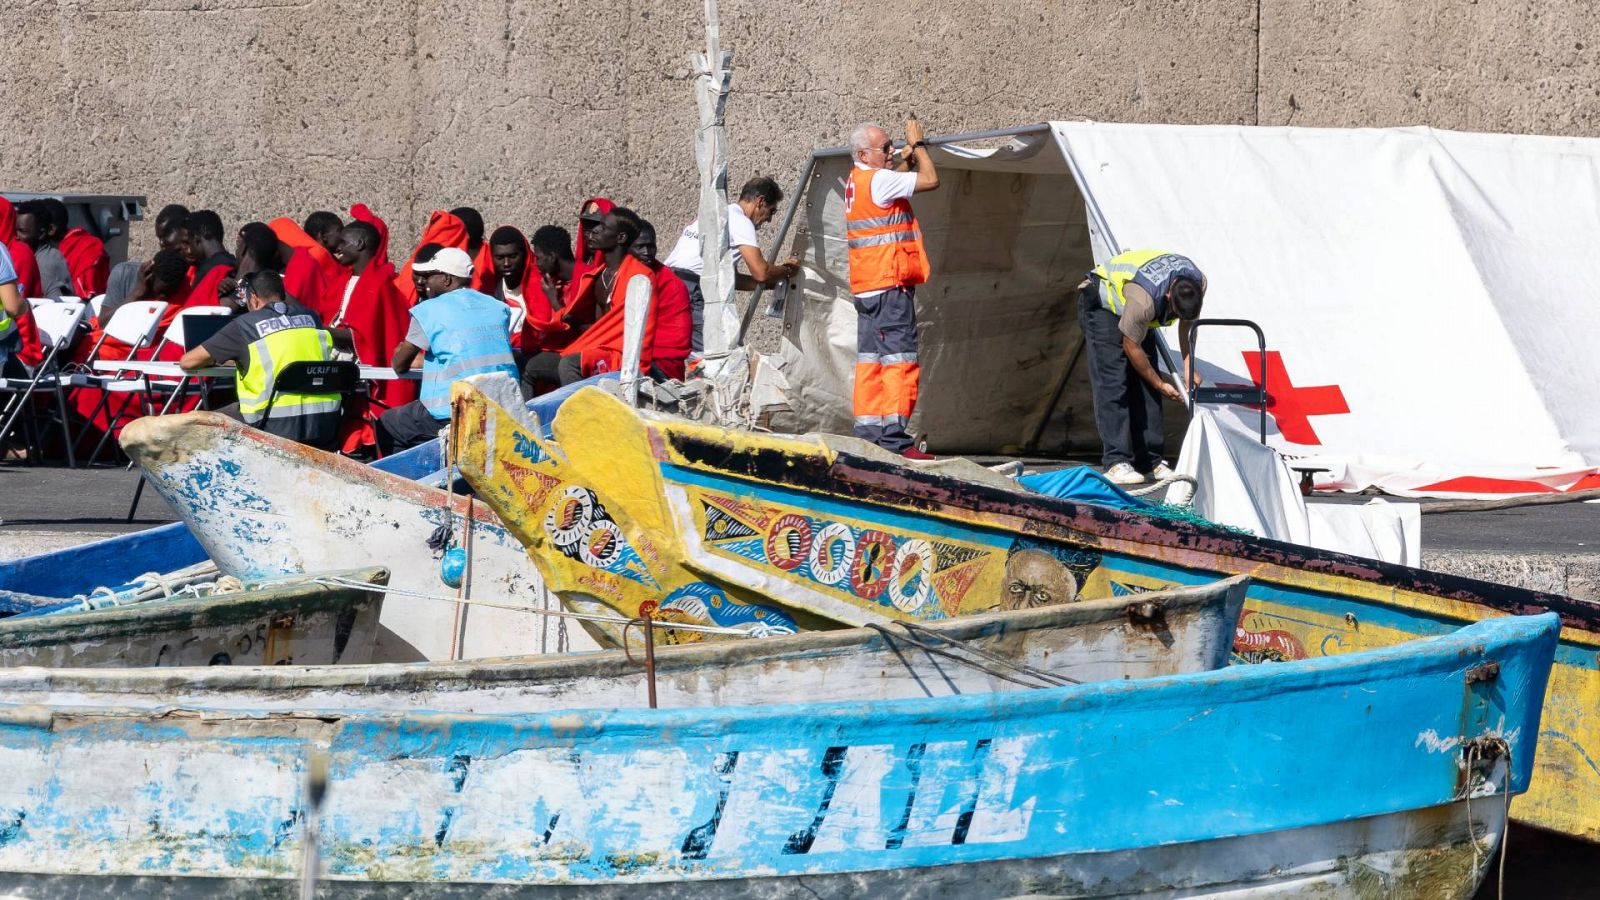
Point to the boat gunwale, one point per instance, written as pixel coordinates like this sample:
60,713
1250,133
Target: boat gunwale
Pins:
669,659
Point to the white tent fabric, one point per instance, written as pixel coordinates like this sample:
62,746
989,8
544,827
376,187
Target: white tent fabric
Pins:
1426,295
1246,484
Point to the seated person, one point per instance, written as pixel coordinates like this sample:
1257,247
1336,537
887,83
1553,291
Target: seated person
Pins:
458,332
274,332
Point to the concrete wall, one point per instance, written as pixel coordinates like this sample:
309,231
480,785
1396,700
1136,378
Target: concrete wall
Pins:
265,107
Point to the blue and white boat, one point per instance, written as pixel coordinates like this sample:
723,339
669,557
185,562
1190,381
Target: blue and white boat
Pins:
1381,773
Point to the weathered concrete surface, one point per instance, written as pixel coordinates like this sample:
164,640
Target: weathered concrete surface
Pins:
1513,66
1573,574
261,107
525,107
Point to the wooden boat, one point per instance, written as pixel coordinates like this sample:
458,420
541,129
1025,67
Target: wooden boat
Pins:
830,527
1384,773
299,621
1160,633
48,579
265,507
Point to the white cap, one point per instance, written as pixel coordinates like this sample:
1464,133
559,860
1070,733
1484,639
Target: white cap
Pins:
450,260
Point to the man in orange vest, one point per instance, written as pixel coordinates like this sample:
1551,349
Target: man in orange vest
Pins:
887,262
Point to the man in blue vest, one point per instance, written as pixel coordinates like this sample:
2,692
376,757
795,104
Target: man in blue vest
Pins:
458,332
1119,306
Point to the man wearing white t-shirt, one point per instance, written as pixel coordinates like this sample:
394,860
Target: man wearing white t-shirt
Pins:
758,202
887,262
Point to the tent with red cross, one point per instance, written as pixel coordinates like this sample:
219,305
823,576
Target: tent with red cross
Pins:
1428,297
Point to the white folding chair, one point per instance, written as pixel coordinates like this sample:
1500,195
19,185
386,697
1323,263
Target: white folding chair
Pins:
58,325
135,324
96,303
175,336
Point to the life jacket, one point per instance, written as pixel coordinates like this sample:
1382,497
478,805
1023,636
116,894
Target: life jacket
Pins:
1153,270
467,335
284,339
885,243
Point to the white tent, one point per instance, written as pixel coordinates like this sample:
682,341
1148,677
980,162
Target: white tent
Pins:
1426,295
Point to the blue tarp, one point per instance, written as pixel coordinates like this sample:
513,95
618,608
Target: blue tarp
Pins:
1082,484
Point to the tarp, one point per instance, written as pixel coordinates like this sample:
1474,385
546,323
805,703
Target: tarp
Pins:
1245,484
1426,295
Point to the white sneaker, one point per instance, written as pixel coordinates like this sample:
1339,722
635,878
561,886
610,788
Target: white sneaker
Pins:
1162,470
1123,473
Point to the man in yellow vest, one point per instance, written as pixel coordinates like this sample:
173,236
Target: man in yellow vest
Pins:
887,262
1119,305
273,332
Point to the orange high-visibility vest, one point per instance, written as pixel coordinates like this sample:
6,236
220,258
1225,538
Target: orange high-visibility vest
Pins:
885,243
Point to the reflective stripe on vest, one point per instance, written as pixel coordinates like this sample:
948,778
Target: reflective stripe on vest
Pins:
289,339
467,335
1153,270
885,245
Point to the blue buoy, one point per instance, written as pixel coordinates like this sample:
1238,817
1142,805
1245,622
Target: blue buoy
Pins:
453,566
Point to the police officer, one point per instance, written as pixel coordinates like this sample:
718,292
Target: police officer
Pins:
273,332
887,262
458,332
1119,304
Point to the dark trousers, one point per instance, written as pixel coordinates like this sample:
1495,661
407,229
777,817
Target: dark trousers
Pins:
549,367
407,426
887,373
697,308
1127,412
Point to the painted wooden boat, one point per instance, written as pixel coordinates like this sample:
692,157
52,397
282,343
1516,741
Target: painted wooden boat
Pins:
829,526
1384,773
296,621
1160,633
265,507
49,578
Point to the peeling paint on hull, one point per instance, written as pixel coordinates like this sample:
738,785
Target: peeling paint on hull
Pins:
1074,790
265,507
704,487
282,624
1085,642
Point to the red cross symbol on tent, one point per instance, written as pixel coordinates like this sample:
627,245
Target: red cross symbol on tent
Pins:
1291,405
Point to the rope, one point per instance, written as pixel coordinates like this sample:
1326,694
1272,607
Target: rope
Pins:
1050,679
1170,479
335,581
1475,754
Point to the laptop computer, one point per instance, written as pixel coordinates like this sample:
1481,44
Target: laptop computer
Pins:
199,329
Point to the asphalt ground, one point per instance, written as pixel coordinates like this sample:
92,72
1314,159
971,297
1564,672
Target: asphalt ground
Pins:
45,508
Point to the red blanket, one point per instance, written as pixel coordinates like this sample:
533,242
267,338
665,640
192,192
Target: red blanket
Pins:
601,345
292,234
378,316
304,281
443,229
87,261
21,254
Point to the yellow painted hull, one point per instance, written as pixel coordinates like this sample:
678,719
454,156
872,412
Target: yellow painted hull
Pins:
814,534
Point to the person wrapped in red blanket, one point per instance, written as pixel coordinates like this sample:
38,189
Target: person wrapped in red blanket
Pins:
603,290
371,318
21,254
311,274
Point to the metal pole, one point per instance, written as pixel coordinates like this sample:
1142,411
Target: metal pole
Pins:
783,232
